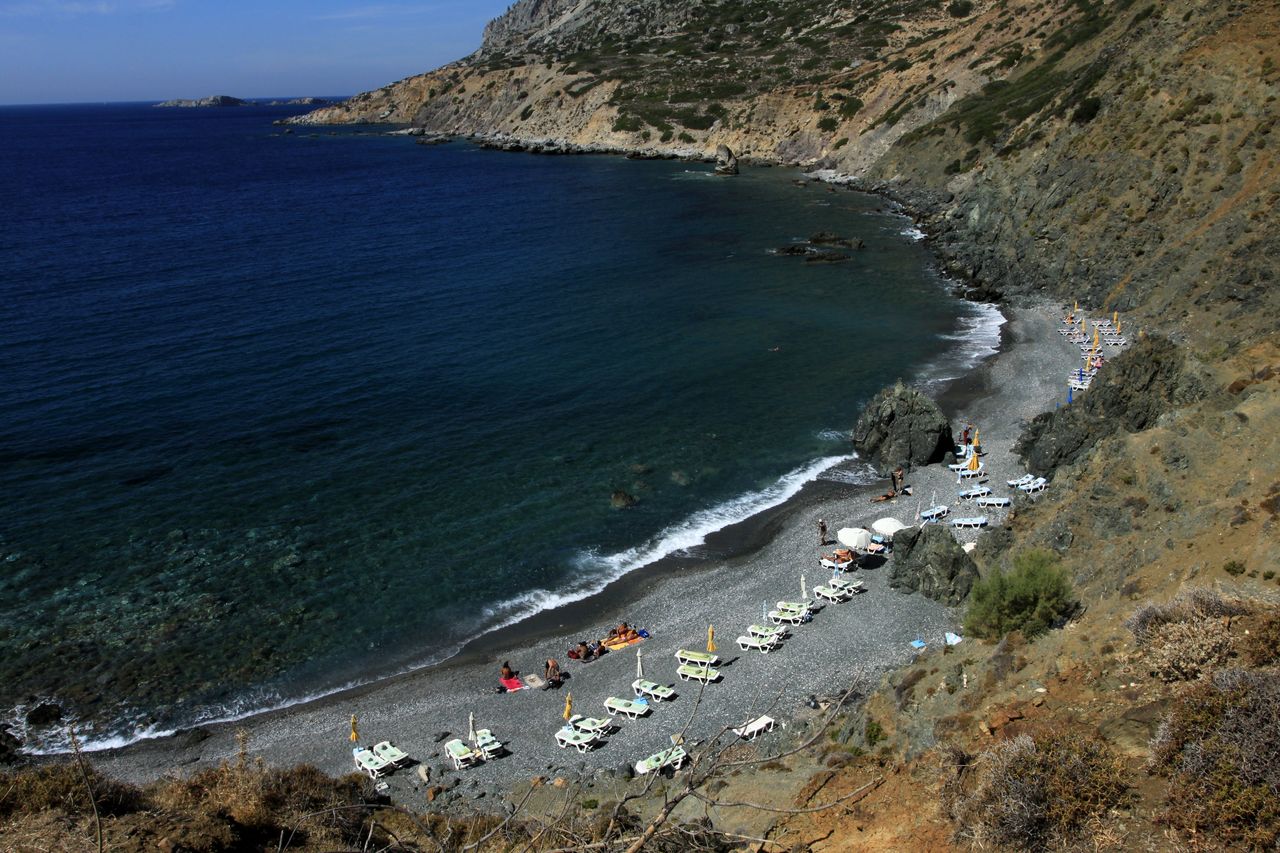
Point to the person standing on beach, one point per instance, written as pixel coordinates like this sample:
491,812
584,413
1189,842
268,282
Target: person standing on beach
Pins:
899,478
822,533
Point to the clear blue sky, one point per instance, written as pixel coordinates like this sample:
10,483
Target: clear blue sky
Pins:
54,51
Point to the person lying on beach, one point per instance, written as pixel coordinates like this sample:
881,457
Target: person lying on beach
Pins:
887,496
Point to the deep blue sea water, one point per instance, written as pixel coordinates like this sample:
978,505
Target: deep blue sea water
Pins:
279,412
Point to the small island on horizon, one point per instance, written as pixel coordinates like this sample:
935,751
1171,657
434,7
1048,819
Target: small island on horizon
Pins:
229,101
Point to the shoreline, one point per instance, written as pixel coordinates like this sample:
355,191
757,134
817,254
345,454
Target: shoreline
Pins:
762,560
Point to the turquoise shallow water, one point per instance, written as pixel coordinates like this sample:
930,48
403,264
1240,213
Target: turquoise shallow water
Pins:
281,413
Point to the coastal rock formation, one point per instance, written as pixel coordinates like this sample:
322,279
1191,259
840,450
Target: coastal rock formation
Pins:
901,426
1130,394
929,560
726,162
211,101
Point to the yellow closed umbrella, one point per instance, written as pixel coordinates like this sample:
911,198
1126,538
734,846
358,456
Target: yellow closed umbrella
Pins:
355,735
973,462
1117,327
1077,308
1115,316
1082,324
568,706
711,638
1095,337
976,444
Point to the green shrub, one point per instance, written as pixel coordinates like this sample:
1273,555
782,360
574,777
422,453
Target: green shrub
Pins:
960,9
686,138
850,107
1220,748
627,123
842,142
1035,793
828,124
873,733
1087,110
526,112
1030,598
1233,567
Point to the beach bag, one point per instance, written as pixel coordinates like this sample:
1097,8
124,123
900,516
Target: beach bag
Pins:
572,654
643,634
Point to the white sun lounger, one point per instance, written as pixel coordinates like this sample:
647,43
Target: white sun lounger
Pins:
975,492
767,632
791,617
462,755
972,523
835,596
801,606
759,644
1021,481
700,658
488,745
393,755
850,586
633,710
697,672
754,728
1039,484
370,763
589,725
958,466
567,736
994,501
673,758
656,692
831,564
934,513
973,473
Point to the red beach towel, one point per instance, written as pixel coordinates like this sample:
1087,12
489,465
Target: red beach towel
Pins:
511,683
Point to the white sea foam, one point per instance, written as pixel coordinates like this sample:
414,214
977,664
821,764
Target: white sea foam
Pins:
913,232
599,570
977,339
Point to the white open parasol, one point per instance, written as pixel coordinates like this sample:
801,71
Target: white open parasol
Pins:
854,537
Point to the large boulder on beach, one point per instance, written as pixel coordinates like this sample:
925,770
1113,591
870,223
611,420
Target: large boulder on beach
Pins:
1130,393
902,426
726,162
930,561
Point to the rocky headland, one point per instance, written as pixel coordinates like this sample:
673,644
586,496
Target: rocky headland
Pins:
1120,154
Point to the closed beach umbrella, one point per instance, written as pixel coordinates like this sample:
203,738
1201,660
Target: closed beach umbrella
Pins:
1117,327
764,610
854,537
887,526
639,665
1095,337
1069,400
973,462
804,590
568,706
355,736
976,443
1077,308
1115,317
471,727
711,638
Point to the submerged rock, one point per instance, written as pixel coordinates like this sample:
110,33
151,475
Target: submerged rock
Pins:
901,426
826,238
622,500
44,714
929,560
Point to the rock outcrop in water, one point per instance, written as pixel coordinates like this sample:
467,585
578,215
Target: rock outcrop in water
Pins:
901,426
726,162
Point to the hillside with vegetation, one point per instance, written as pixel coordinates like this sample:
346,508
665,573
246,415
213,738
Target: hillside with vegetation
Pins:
1124,693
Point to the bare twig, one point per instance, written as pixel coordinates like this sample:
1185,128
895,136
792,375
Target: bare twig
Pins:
84,775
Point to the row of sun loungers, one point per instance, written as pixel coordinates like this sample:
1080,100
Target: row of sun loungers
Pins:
379,760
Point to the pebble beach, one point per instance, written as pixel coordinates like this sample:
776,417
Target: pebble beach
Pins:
847,644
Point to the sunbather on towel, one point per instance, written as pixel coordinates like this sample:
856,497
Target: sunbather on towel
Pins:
506,671
887,496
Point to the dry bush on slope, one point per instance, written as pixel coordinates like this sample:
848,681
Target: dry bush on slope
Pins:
1032,793
1220,748
1188,638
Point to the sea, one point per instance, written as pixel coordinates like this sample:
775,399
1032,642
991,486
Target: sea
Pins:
287,412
